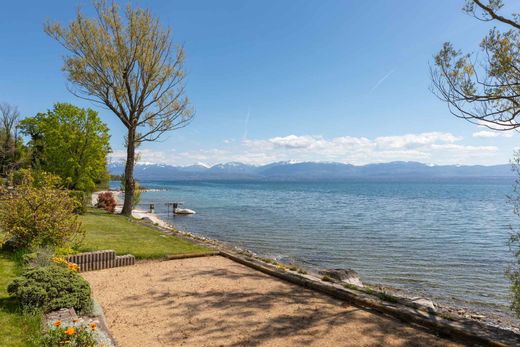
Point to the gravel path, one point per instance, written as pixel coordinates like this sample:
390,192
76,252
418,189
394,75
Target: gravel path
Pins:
213,301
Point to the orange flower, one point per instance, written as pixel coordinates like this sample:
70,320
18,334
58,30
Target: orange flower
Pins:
70,331
57,324
72,266
93,326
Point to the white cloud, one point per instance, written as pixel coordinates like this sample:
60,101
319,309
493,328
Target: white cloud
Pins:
429,147
415,140
293,141
486,134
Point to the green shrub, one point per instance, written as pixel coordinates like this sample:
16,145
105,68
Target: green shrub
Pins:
39,213
50,288
40,257
83,200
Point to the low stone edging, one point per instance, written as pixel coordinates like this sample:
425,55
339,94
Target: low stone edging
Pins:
467,331
100,260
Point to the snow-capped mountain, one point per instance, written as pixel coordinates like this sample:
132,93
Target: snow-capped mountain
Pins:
312,171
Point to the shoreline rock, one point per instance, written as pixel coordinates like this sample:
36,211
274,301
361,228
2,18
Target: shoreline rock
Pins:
348,276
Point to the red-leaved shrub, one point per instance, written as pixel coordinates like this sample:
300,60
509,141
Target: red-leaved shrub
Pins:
106,201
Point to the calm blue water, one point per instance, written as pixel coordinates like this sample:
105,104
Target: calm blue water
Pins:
445,239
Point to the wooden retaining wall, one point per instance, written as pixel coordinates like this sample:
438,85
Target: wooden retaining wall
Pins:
99,260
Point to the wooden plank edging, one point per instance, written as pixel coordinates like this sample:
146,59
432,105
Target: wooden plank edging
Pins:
191,255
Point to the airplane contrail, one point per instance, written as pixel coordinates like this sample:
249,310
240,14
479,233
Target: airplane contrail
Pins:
247,123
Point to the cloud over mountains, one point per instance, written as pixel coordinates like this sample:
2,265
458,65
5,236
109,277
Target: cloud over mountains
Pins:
427,147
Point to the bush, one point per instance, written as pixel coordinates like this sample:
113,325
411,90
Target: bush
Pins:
83,200
38,213
106,201
51,288
40,257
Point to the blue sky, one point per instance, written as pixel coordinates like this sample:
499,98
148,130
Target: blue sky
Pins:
344,81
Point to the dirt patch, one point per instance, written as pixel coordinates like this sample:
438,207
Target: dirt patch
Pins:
214,301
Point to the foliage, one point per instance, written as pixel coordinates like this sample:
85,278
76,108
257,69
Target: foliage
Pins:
513,272
12,150
137,195
51,288
116,177
126,235
39,213
485,88
83,200
70,142
137,191
130,66
76,335
40,257
106,201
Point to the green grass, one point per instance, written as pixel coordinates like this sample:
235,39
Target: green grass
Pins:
126,235
16,329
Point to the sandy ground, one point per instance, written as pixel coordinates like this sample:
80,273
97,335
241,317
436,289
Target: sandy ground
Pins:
213,301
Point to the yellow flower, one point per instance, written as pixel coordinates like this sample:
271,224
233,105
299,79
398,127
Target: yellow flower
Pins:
58,260
57,324
70,331
93,326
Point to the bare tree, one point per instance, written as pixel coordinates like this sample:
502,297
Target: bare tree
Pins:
9,158
130,66
483,88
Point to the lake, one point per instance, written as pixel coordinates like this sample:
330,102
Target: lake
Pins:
444,239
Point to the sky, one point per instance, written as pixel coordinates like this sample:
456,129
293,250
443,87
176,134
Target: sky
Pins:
276,80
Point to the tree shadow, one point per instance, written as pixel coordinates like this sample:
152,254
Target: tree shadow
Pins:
237,306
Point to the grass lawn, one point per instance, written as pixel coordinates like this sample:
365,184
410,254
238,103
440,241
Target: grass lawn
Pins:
16,329
125,235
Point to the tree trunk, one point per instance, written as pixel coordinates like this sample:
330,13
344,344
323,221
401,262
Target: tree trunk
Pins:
129,173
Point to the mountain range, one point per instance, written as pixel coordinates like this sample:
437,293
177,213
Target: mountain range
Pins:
312,171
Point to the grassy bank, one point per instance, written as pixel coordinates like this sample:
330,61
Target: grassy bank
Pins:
103,231
126,235
16,329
